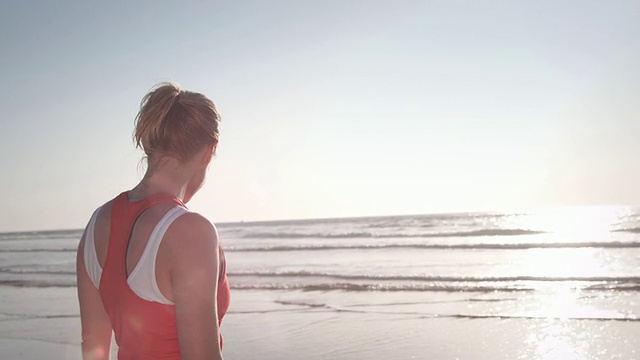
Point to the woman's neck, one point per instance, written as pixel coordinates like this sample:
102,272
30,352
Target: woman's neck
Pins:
170,178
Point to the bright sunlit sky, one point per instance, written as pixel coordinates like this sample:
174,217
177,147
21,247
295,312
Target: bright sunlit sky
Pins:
330,108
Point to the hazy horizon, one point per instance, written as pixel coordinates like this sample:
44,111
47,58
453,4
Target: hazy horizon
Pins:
330,110
498,212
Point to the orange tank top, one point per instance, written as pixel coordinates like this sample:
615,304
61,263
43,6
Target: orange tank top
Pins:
143,329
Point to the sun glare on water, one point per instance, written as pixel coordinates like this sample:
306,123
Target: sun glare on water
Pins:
568,272
572,223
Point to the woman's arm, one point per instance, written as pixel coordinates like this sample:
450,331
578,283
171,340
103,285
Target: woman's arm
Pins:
194,281
96,327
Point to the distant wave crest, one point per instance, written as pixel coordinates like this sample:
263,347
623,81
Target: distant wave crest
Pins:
30,250
38,283
481,232
502,246
36,270
390,283
434,279
414,245
417,246
350,287
634,230
41,235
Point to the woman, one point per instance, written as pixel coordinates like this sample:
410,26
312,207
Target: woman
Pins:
147,268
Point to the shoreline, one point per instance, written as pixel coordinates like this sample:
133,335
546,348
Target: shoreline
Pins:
44,323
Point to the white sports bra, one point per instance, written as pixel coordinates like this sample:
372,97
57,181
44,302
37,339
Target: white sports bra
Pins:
142,279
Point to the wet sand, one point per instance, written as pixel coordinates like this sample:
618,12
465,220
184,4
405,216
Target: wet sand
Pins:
39,323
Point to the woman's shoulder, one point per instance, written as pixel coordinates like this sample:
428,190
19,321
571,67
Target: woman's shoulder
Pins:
192,227
191,243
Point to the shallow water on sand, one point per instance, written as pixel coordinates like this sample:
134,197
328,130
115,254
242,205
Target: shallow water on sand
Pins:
42,323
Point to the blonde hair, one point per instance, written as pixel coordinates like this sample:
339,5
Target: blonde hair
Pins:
175,122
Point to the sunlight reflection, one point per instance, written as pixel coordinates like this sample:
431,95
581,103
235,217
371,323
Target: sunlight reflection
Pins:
563,262
575,222
562,277
568,303
556,340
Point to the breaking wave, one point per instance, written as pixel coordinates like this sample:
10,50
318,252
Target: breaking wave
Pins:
502,246
435,279
351,235
430,246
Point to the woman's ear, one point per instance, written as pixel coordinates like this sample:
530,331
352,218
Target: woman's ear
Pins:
209,152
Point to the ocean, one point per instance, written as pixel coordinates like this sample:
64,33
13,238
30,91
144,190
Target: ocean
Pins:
562,265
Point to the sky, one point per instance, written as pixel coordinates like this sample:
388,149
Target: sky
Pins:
329,108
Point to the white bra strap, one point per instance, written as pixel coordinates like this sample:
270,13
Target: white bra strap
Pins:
91,263
143,275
